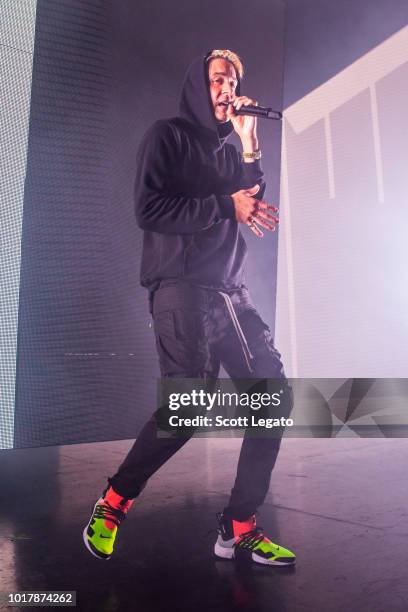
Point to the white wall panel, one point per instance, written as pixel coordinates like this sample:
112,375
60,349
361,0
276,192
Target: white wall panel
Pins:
342,277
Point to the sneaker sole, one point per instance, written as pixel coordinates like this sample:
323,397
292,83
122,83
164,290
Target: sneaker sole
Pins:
228,553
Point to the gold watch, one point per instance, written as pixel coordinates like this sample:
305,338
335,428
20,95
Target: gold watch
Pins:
255,155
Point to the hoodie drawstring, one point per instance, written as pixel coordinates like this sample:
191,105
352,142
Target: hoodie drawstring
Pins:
241,336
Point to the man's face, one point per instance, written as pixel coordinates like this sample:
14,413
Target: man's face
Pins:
223,82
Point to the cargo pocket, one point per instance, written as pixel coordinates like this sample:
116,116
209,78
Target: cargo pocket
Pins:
267,359
181,342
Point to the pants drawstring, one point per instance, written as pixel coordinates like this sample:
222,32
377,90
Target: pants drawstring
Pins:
241,336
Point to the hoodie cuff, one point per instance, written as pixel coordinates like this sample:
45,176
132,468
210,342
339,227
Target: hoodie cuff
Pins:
226,206
252,172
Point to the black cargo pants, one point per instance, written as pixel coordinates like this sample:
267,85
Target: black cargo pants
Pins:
197,330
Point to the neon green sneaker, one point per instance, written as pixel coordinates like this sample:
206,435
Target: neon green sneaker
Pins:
100,533
244,540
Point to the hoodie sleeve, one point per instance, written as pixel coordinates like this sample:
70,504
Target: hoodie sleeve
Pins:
156,208
249,174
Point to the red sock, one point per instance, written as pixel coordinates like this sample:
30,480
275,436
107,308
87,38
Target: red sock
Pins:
118,502
241,527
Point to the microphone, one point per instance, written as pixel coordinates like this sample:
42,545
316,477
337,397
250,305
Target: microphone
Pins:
265,112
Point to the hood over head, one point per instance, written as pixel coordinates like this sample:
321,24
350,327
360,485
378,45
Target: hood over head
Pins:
195,103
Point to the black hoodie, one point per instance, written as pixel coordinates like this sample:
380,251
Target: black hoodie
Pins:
185,175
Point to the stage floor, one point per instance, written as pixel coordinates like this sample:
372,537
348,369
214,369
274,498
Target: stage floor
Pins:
341,505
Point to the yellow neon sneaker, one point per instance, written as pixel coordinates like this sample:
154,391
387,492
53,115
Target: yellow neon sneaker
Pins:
100,533
244,540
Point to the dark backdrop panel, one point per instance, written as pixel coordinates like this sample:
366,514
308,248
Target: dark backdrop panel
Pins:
103,72
66,244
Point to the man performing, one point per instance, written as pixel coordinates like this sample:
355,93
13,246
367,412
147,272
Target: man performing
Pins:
192,193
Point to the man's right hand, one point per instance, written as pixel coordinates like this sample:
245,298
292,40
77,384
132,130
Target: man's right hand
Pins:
251,211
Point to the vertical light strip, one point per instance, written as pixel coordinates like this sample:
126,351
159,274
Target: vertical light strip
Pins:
329,156
377,143
17,31
289,251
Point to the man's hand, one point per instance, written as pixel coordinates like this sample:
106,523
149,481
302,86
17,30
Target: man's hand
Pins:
244,125
251,211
